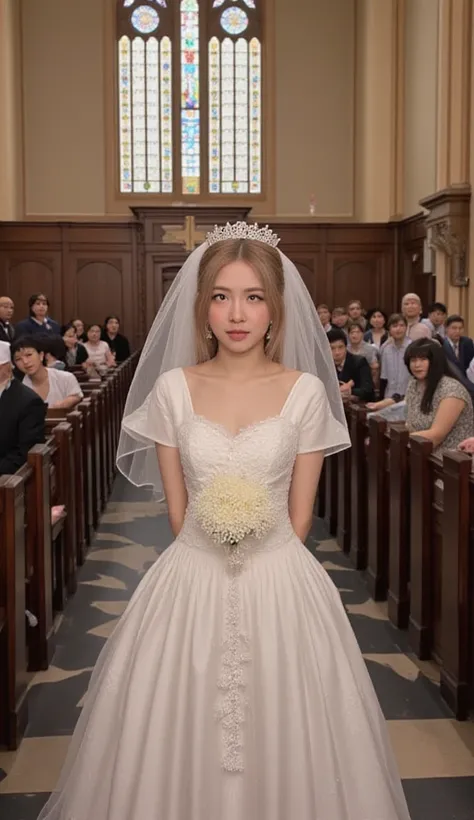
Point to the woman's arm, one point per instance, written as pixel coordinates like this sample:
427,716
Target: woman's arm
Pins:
109,357
173,485
68,403
304,484
446,417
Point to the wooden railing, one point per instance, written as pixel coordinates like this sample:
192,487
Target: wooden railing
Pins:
39,556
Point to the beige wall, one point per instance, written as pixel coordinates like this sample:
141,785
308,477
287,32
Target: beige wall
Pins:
11,157
420,96
315,106
63,106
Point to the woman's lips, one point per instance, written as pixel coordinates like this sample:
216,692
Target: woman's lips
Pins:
237,335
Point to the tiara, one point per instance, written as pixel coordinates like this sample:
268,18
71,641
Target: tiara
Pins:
241,230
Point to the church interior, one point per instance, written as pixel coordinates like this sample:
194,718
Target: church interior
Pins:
347,126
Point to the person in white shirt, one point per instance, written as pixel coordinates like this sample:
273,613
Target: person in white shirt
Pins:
57,388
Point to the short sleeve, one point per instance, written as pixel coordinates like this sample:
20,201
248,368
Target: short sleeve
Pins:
159,419
383,367
72,386
319,430
452,389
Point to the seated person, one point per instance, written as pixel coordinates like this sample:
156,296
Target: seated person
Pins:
359,347
118,344
76,354
54,352
439,408
38,321
98,351
353,371
394,375
339,319
58,388
437,313
22,415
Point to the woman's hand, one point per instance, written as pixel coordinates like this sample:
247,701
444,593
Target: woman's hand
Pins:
467,446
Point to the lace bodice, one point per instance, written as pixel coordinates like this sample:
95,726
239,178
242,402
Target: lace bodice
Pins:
263,452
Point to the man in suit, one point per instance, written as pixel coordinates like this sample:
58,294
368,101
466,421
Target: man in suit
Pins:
459,349
7,332
22,417
353,372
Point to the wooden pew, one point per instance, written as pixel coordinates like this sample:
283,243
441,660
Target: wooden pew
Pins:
399,525
343,526
359,498
13,656
378,509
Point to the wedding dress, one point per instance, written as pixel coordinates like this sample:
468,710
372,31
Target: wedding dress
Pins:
232,694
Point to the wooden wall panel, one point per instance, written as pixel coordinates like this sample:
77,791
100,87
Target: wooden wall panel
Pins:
95,268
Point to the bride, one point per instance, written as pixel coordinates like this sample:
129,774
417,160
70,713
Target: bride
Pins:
233,687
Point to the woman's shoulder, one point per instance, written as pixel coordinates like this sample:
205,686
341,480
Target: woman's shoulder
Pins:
449,387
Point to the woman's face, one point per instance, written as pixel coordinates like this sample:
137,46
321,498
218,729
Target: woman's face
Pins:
79,325
419,368
238,314
377,320
355,336
112,327
70,338
93,334
40,307
29,361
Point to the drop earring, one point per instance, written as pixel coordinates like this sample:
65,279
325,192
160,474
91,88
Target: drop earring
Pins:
208,333
268,334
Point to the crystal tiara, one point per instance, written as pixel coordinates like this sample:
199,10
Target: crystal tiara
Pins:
241,230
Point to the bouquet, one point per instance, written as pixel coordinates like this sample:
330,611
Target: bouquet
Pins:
231,508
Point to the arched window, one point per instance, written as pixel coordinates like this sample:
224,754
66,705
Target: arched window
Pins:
190,97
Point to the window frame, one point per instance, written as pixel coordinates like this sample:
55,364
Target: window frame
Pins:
118,200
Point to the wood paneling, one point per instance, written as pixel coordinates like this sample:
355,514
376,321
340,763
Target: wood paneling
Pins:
96,268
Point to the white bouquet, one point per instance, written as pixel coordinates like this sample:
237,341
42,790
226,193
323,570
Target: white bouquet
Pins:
231,508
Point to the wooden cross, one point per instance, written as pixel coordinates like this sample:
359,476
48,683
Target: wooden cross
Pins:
189,236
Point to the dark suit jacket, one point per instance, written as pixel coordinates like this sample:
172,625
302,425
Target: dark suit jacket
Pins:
28,327
119,346
466,353
357,369
22,417
7,335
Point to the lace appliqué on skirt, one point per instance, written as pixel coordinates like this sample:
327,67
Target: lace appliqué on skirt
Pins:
231,710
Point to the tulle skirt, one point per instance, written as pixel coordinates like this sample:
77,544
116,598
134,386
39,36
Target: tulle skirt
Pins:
150,745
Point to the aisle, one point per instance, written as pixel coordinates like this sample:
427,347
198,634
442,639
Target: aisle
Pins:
435,754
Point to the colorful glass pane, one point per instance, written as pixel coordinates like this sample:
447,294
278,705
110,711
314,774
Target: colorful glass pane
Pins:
145,19
138,114
255,89
166,117
190,93
131,2
234,20
227,116
124,115
217,3
153,175
214,116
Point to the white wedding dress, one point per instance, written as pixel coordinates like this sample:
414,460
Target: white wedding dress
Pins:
232,695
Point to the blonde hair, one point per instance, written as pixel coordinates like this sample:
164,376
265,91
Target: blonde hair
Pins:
267,264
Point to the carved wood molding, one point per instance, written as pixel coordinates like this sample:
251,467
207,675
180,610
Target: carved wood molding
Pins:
447,228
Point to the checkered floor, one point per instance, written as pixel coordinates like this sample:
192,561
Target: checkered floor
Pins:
435,754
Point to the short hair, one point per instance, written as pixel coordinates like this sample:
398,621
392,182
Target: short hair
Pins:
339,311
455,317
395,318
108,318
54,345
355,323
336,335
354,302
33,299
373,310
37,342
437,306
323,306
411,296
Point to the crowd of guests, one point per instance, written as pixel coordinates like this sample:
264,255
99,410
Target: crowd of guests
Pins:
407,367
41,363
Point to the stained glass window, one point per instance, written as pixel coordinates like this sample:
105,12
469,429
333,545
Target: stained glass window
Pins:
216,86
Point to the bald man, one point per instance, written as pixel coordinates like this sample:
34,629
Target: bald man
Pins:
7,331
411,310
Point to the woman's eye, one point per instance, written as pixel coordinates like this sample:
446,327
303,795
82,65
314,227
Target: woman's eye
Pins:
218,297
256,297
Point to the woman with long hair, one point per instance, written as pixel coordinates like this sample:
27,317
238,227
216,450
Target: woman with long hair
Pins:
439,408
233,687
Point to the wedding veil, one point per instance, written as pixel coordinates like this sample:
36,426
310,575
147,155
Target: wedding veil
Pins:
171,343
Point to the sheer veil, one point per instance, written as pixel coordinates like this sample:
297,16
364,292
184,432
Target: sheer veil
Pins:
171,343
